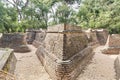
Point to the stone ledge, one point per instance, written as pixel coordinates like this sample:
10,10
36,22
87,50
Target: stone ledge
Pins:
65,31
111,50
4,55
62,27
7,60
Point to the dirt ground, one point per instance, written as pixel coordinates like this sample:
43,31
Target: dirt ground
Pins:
28,66
101,67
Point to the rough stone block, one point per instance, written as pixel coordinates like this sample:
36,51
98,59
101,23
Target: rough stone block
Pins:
7,60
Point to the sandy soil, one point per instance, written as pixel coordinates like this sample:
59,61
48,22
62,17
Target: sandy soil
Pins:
100,68
28,67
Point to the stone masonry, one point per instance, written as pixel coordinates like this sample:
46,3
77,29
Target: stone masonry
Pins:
102,35
96,37
7,60
112,45
92,37
64,52
39,38
35,37
30,36
16,41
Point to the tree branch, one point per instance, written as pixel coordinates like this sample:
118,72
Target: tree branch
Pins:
26,3
11,3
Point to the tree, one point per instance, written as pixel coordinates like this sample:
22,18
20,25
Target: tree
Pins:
7,19
100,14
20,5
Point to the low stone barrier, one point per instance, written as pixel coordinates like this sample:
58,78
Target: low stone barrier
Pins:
39,38
7,60
92,38
96,37
16,41
64,52
35,37
30,36
112,45
102,35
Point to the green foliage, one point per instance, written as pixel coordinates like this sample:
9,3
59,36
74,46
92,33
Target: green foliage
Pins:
7,19
42,13
100,14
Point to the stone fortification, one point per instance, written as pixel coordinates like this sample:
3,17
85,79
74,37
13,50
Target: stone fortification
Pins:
64,52
16,41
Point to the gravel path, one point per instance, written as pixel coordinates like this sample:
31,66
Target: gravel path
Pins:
29,67
100,68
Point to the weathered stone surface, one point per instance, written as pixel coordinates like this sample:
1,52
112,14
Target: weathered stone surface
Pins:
113,40
102,36
39,38
16,41
7,60
92,37
111,50
66,43
35,37
30,36
117,67
58,28
64,52
113,44
96,37
64,69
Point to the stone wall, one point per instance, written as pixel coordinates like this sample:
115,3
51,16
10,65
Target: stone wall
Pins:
113,44
39,38
96,37
113,40
102,36
36,37
30,36
92,37
7,60
64,52
16,41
